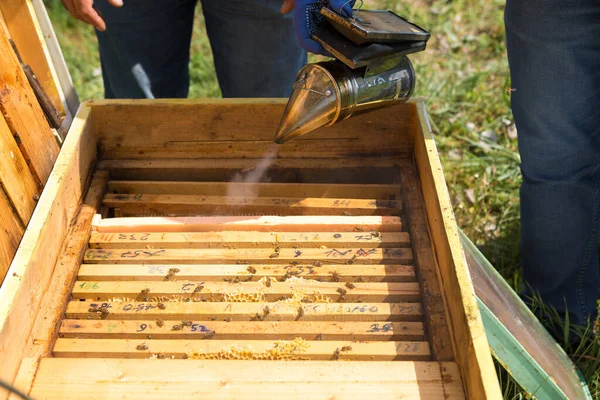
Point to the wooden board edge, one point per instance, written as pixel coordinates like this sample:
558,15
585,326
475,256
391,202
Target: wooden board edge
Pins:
468,334
24,28
31,270
55,300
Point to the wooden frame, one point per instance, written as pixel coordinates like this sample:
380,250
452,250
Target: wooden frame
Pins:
181,134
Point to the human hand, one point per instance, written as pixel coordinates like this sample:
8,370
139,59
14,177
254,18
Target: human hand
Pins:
307,19
85,11
287,6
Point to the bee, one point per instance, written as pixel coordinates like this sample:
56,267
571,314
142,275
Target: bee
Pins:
342,291
346,348
300,312
145,291
104,313
335,277
268,282
160,323
257,317
209,335
351,261
266,311
336,354
198,288
319,336
350,285
251,269
171,273
176,327
160,356
274,255
141,347
186,323
376,233
161,306
509,90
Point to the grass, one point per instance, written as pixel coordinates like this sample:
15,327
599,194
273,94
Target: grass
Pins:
463,75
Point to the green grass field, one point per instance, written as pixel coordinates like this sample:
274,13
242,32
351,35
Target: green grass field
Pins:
463,76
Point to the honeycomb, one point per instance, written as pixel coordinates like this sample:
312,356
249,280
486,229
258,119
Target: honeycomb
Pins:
280,350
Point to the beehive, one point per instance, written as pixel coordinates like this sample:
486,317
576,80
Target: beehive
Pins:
168,257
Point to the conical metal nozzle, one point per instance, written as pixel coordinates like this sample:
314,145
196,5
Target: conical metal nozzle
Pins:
315,102
328,92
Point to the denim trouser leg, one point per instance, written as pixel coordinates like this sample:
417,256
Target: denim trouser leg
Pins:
554,56
145,50
255,48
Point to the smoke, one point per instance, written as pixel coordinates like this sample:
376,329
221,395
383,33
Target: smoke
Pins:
253,175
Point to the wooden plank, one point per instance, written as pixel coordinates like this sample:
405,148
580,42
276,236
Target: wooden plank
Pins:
18,182
278,311
249,330
33,266
232,239
203,123
10,234
24,115
271,189
176,379
163,204
367,170
259,149
24,29
263,256
433,300
471,347
245,272
223,291
309,350
255,223
45,327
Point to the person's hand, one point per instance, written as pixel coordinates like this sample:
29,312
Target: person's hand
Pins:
287,6
85,11
307,19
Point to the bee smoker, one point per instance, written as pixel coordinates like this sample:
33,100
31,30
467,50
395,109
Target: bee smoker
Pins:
370,70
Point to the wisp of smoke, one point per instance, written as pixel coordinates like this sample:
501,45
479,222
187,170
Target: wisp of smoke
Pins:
255,175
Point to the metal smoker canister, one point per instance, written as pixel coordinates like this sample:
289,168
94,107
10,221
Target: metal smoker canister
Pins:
327,92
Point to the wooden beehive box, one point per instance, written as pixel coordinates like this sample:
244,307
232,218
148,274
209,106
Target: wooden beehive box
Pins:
155,266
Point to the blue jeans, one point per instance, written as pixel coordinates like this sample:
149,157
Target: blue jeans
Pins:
145,51
554,56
